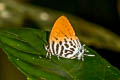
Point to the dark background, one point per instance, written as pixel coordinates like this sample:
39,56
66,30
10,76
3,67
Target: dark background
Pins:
103,12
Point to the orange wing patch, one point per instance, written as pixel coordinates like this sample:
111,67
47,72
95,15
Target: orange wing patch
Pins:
61,29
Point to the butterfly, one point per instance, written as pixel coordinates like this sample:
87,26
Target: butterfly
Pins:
63,42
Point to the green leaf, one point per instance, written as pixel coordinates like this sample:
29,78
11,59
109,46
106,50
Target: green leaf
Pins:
25,49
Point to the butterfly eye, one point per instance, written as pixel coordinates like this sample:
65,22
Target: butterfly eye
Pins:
80,50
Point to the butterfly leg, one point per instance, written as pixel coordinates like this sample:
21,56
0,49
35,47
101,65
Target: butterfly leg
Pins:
81,53
48,52
46,47
48,55
58,57
81,56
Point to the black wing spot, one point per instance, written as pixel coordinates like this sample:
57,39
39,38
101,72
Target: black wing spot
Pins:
74,46
68,54
66,36
56,38
72,49
66,45
74,42
53,43
77,41
60,42
65,40
61,52
57,47
71,43
66,51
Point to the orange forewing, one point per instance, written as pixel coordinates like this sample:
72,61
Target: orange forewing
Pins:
61,29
